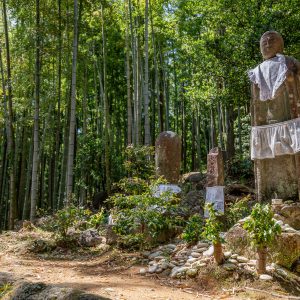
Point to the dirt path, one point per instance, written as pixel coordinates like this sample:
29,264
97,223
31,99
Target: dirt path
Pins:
98,275
113,274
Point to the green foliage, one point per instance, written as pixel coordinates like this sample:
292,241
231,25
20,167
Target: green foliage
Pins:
204,47
240,168
238,210
139,219
68,217
74,217
213,226
4,289
97,219
193,229
261,226
139,161
132,185
242,136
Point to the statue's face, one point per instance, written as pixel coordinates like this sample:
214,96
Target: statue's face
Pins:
271,43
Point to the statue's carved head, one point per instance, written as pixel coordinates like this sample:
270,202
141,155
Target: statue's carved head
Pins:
271,43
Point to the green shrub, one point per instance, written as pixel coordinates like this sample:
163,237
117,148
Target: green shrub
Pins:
68,217
95,220
241,168
193,229
139,219
238,210
261,226
139,161
77,218
213,226
132,186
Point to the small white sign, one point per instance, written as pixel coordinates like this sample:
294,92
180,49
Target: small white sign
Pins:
161,188
215,195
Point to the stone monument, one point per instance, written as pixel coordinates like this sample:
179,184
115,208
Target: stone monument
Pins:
215,168
168,156
275,112
215,180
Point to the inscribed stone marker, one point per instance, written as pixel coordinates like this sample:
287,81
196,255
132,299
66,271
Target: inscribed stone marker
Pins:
215,168
168,156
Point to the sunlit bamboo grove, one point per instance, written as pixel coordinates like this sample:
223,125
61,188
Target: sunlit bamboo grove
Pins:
82,79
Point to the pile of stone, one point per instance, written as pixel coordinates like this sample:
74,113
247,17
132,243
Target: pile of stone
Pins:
181,261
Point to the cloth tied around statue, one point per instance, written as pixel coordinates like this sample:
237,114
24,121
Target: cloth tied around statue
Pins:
269,141
269,76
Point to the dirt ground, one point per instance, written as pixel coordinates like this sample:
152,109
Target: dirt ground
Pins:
115,274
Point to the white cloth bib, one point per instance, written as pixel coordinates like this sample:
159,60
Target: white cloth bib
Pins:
269,76
269,141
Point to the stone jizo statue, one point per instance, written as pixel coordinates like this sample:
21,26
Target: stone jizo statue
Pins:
275,118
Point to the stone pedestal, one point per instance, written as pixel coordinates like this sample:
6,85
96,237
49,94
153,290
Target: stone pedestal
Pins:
277,177
168,156
215,168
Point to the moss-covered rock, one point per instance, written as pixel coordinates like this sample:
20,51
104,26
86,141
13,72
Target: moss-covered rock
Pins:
285,251
41,291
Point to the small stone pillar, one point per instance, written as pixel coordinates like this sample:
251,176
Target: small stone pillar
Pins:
215,168
168,156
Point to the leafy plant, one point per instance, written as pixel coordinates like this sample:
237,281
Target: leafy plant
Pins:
238,210
212,231
97,219
241,168
261,226
132,185
262,229
139,161
74,217
69,217
193,229
4,289
139,219
213,226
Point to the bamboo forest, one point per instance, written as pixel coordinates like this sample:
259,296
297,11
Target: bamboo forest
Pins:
91,90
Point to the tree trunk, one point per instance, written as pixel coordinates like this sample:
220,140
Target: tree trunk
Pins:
240,132
164,93
230,132
157,84
129,105
23,164
134,71
261,261
218,253
84,132
2,183
35,161
10,130
26,206
220,127
71,147
198,141
138,122
146,85
55,194
106,108
213,140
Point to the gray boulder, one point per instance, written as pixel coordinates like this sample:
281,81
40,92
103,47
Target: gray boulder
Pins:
111,236
41,291
193,203
288,213
90,238
284,251
193,181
